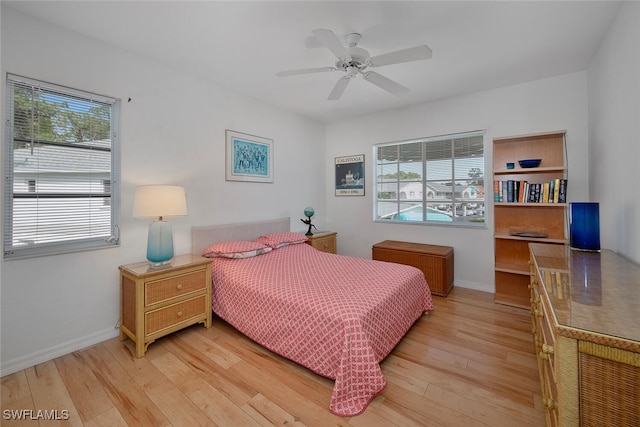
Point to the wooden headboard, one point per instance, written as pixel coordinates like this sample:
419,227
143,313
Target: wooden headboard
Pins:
203,236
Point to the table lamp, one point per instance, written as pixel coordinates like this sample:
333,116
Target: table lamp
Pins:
159,201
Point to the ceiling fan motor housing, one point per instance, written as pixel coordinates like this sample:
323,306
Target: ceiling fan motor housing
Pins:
353,60
359,58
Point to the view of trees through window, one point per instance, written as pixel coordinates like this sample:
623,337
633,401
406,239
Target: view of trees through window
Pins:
49,117
432,180
59,158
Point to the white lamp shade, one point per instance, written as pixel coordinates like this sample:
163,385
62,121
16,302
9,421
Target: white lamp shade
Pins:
154,201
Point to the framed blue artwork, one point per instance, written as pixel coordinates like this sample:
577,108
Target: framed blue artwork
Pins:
248,158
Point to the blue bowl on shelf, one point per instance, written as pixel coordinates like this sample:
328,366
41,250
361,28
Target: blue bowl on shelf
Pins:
529,163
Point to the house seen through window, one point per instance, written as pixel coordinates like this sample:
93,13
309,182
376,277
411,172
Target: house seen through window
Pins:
438,180
61,169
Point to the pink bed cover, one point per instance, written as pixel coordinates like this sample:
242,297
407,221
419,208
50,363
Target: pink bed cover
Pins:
336,315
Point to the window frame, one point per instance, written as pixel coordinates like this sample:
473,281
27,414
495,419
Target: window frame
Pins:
10,249
378,183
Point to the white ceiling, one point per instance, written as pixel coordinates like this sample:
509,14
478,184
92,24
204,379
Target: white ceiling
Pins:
477,45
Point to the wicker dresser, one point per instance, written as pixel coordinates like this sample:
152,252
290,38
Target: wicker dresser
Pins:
435,261
585,311
158,301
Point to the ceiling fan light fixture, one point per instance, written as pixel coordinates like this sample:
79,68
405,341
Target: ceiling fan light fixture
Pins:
358,55
352,71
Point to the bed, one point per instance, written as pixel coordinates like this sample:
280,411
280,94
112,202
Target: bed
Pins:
338,316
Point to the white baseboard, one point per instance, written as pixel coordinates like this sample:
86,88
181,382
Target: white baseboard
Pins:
475,286
20,363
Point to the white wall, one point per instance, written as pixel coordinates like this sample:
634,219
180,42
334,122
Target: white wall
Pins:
545,105
173,132
614,133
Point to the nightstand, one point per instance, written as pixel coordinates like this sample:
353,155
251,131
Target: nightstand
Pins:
324,241
156,301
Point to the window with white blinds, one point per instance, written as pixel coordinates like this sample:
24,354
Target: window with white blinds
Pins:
437,180
61,170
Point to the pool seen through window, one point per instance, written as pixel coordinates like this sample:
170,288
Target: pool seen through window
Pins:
436,180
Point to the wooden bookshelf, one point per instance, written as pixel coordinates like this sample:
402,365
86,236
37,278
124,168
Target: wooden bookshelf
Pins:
511,253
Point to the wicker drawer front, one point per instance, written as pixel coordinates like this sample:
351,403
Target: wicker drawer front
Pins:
325,244
158,320
165,289
609,386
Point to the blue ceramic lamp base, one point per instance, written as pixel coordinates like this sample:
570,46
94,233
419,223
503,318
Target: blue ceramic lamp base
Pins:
160,243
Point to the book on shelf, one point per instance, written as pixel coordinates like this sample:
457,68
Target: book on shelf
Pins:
510,191
522,191
556,191
562,194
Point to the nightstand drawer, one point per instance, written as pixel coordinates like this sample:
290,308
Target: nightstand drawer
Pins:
325,244
165,289
164,318
325,241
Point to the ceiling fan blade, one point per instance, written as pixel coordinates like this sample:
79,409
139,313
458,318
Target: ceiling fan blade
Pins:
416,53
385,83
331,42
305,71
339,88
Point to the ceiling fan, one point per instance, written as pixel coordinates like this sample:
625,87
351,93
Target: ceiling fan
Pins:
354,61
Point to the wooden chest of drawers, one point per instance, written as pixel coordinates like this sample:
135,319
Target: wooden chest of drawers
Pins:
158,301
436,262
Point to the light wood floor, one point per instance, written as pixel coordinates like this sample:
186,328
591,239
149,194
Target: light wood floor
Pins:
469,363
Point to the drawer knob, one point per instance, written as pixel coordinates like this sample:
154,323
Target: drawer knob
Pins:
179,286
549,403
179,314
